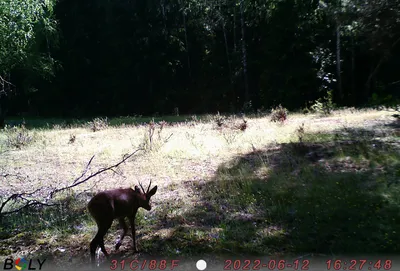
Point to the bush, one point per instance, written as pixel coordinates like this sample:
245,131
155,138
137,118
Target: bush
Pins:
18,136
219,120
279,113
98,124
324,105
385,100
151,142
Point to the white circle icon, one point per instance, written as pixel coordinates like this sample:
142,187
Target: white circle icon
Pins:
201,265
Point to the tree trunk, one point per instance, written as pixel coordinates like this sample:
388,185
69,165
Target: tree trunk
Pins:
338,66
4,92
187,45
246,85
162,4
226,48
234,26
232,94
353,66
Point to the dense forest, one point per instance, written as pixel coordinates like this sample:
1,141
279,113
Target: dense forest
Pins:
74,58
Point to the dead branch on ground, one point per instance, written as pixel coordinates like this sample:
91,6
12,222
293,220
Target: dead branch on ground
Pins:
25,196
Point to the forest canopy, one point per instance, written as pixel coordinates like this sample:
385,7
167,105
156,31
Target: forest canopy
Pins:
74,58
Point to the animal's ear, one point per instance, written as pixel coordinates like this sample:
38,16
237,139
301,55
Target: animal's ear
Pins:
137,188
152,191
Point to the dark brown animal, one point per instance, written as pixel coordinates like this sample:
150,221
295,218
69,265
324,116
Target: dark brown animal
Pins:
117,204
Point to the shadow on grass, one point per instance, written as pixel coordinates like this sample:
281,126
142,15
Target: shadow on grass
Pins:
38,230
60,233
323,196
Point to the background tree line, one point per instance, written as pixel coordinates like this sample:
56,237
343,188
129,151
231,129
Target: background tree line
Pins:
73,58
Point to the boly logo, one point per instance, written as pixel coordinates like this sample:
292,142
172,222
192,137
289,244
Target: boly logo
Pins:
23,264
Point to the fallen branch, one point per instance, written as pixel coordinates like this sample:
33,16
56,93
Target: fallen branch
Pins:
76,182
28,204
32,202
21,196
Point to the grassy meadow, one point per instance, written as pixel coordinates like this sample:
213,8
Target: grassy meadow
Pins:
316,184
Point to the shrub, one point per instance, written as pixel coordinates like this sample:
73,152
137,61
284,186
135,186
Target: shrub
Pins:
300,132
220,120
324,105
98,124
151,142
279,113
243,125
18,136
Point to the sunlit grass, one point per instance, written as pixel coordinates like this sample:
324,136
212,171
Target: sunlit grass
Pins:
267,190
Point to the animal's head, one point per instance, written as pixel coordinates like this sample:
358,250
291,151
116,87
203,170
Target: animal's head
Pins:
145,196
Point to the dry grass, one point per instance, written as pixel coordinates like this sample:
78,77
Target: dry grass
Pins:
192,151
181,166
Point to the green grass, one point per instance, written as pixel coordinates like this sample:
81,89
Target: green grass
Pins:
332,188
335,206
50,123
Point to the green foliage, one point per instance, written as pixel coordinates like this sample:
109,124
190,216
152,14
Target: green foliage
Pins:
304,206
50,224
324,105
387,100
201,67
22,24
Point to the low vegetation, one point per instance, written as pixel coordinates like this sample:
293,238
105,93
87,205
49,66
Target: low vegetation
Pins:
322,184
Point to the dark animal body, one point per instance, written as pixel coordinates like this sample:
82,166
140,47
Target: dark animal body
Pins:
108,205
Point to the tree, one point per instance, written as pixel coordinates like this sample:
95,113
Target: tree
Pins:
336,10
24,25
380,25
246,85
